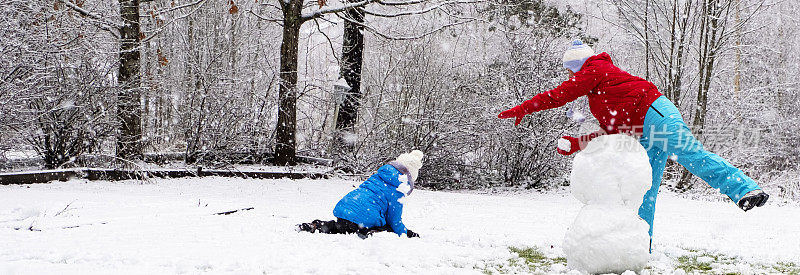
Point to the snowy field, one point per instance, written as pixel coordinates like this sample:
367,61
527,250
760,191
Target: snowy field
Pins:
169,227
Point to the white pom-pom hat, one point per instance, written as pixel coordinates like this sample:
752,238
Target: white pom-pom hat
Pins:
412,161
576,55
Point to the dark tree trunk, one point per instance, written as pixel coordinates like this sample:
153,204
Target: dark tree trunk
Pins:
285,147
352,58
129,109
350,70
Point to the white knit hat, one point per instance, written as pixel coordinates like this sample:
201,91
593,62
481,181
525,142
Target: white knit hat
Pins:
412,161
576,55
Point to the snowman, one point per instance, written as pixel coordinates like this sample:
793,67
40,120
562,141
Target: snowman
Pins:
610,177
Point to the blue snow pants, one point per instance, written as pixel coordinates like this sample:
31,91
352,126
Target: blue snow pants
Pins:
666,134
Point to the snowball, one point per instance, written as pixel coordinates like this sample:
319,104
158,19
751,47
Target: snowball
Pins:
564,144
402,178
607,239
404,187
612,169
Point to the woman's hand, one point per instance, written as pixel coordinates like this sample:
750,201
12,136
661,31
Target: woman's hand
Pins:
568,145
517,112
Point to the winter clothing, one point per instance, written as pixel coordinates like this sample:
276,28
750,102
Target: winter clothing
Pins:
576,55
517,112
623,103
568,142
375,202
410,179
412,161
752,199
341,226
374,205
576,144
664,134
617,99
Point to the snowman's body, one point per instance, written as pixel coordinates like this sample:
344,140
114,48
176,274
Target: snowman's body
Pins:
610,176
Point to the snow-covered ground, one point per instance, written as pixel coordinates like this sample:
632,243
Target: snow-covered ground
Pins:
169,226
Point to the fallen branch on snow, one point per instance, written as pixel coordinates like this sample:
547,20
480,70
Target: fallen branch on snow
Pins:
233,211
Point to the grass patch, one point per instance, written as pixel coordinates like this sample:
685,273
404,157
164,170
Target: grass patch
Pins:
531,255
691,264
702,262
528,260
787,268
531,260
705,262
560,260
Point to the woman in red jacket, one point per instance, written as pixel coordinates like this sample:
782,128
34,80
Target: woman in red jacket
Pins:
623,103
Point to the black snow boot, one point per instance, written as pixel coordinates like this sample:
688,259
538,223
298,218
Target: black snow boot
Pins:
318,226
755,198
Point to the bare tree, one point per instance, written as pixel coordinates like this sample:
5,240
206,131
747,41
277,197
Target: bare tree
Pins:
673,31
427,74
130,36
350,71
665,31
293,18
129,109
60,86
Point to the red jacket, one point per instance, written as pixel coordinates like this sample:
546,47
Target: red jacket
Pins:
617,99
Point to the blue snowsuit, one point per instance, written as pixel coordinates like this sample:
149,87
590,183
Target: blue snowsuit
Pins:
374,203
665,133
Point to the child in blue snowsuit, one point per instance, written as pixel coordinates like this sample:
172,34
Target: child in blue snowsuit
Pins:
374,206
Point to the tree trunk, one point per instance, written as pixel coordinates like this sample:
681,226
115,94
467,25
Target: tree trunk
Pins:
285,147
350,70
709,46
233,46
680,27
677,80
129,109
